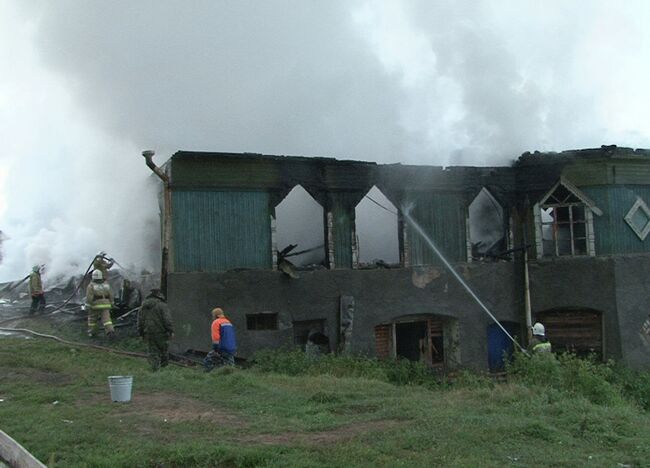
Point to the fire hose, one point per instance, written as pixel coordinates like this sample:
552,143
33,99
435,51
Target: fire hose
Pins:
93,346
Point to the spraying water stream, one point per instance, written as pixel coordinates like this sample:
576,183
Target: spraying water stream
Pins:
419,230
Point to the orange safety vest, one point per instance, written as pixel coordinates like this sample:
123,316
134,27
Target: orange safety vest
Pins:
216,328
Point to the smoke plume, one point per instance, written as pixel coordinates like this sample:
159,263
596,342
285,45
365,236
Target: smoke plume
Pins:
88,85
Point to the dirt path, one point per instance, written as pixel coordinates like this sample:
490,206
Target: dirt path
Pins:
158,407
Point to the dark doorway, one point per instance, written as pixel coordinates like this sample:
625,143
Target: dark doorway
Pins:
304,328
411,340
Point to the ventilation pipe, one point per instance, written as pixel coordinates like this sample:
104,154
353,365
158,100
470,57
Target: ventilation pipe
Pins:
167,217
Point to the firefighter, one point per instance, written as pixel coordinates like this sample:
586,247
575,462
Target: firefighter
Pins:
99,302
224,343
103,264
155,327
36,291
539,343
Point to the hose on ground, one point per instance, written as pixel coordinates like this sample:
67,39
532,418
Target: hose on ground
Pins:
86,345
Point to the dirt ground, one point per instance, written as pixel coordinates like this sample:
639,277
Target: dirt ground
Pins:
169,407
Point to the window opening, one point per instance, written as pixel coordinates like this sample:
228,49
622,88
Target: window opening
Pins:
410,340
565,222
377,230
433,340
265,321
487,229
312,333
300,231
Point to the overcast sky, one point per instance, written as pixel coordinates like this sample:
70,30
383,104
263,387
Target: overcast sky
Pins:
86,85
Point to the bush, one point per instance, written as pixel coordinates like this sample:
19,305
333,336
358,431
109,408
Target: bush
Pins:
634,385
567,373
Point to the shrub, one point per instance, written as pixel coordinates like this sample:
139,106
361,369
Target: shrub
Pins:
567,373
634,385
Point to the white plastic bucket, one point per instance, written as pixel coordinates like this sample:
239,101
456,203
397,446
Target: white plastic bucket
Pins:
120,386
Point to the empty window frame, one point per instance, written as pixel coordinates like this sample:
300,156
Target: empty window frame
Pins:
377,230
310,330
300,222
263,321
564,220
487,227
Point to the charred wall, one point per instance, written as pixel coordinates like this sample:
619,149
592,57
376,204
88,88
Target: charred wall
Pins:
379,295
224,206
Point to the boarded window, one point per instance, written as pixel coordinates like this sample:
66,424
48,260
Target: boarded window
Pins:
576,331
262,321
437,342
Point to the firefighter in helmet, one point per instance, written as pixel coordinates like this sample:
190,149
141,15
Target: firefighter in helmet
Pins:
99,302
102,263
539,343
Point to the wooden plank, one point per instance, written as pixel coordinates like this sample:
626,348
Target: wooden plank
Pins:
16,455
382,341
577,331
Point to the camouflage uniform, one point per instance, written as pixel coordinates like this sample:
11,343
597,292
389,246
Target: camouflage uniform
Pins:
99,302
155,326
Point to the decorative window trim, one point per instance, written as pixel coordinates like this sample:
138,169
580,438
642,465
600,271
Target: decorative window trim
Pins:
639,204
590,209
574,190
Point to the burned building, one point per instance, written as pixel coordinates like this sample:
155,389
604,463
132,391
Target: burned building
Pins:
357,280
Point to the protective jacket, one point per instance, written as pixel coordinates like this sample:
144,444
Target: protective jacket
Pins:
223,335
154,317
539,346
35,284
102,264
99,296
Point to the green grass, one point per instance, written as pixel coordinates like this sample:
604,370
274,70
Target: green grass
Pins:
288,410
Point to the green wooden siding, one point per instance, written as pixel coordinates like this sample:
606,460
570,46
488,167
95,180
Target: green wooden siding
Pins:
613,234
218,231
442,216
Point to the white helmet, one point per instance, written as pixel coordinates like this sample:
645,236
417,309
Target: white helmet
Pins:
97,275
538,329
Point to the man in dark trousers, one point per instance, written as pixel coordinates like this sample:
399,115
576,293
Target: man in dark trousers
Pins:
224,344
155,327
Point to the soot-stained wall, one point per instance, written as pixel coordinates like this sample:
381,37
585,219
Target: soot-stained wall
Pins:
380,296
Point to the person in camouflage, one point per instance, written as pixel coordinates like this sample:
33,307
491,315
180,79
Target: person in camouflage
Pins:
155,327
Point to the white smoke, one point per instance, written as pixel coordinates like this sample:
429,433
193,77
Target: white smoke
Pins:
85,86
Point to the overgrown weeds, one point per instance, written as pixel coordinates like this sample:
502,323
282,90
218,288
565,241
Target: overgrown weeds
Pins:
600,383
399,372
